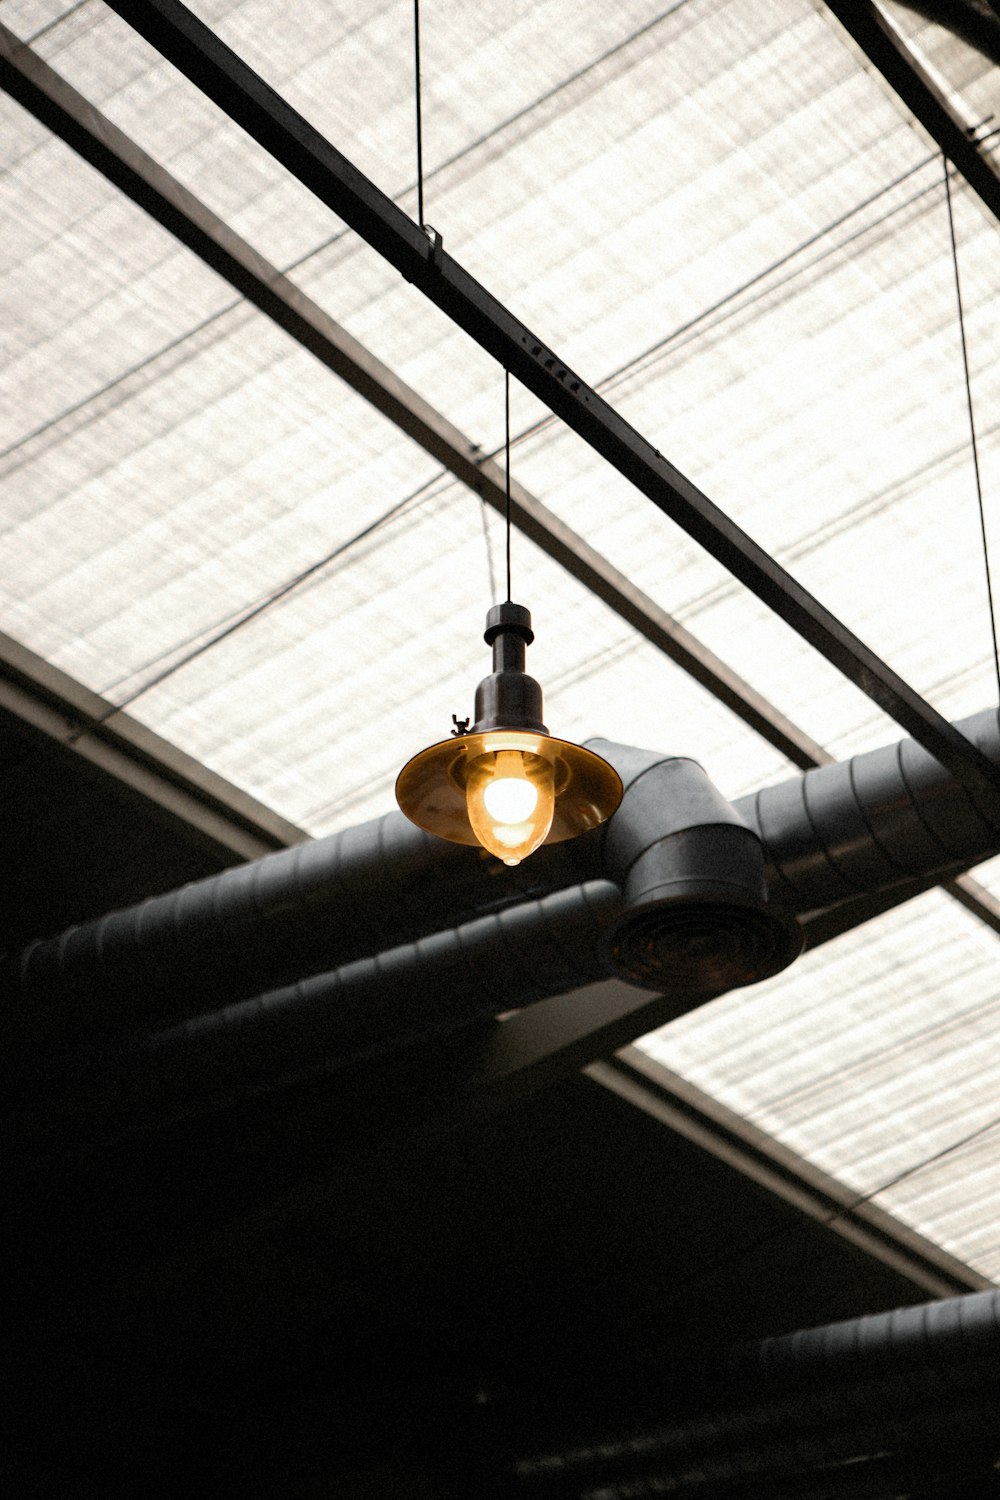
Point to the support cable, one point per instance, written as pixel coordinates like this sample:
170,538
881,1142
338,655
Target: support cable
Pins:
490,566
420,120
506,449
972,417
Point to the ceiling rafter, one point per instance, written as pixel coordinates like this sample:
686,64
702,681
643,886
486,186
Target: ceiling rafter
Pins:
674,1101
62,713
886,50
49,98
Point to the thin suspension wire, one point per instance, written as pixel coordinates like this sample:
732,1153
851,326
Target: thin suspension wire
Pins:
420,113
738,1254
506,449
229,627
490,565
224,628
972,418
606,383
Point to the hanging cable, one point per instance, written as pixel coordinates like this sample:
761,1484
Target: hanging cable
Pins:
232,624
420,121
506,449
490,566
972,416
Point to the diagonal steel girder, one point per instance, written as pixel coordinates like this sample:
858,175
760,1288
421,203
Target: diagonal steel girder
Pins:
417,253
886,50
47,96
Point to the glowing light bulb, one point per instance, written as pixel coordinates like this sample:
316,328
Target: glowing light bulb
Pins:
510,799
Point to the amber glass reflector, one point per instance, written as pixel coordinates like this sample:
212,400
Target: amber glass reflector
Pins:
507,789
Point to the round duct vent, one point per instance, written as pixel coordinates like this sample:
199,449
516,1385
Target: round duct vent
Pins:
704,948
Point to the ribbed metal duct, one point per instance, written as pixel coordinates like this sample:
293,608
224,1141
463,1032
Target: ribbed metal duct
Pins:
872,822
370,1008
858,1404
696,918
675,845
268,922
693,869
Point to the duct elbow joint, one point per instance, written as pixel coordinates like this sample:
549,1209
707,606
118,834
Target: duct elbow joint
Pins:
696,917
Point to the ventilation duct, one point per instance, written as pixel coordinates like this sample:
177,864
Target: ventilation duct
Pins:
861,1408
696,919
693,871
267,923
874,821
370,1008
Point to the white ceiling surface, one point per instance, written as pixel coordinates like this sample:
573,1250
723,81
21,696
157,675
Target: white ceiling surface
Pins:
712,210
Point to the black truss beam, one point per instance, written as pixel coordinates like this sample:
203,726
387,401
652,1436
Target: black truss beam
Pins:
449,1085
417,253
965,19
440,1088
888,53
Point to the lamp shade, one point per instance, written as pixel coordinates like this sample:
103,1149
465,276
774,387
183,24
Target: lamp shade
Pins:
507,784
433,788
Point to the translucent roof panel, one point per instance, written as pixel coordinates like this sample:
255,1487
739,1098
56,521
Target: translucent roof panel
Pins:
722,218
874,1061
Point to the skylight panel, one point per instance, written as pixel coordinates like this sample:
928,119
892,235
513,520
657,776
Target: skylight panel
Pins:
872,1057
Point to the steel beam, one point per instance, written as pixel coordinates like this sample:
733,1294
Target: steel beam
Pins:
449,1085
418,255
887,52
52,101
61,713
965,19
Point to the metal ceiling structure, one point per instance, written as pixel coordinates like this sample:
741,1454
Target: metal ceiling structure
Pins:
419,257
730,217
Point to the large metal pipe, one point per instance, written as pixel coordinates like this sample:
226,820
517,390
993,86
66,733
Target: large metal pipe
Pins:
916,1381
873,821
370,1008
708,887
696,916
675,845
273,921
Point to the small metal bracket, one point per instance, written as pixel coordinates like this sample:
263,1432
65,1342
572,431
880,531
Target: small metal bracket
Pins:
436,245
461,725
432,259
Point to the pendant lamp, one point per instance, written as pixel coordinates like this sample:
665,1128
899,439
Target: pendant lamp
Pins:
506,783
